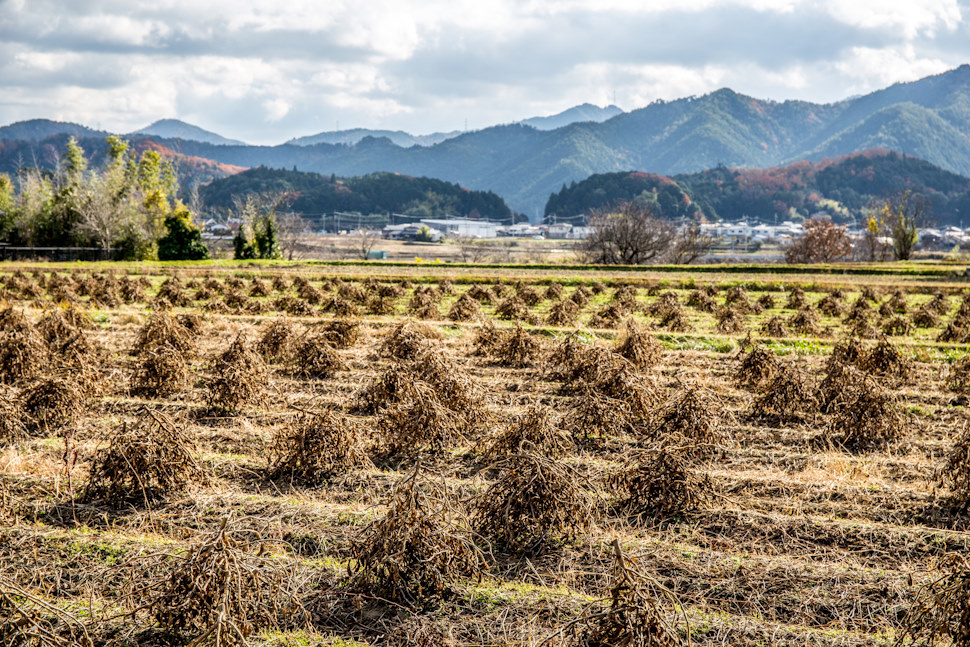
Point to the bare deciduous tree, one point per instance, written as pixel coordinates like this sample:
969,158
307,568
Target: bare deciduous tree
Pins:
823,242
691,243
628,234
365,240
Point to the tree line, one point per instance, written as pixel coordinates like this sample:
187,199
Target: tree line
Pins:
128,205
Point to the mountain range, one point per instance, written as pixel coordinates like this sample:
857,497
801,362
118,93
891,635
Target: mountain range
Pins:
929,119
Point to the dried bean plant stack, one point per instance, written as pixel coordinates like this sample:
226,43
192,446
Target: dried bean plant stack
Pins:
315,358
224,589
317,447
954,474
421,550
693,416
634,617
422,424
277,341
145,460
756,368
407,339
786,399
23,354
535,430
239,377
940,615
661,484
638,347
867,418
535,503
519,349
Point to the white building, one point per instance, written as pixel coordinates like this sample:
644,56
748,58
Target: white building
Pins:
462,228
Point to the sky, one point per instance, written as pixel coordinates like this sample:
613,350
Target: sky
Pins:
265,72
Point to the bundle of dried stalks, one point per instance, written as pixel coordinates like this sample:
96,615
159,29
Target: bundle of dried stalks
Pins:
293,306
61,322
145,461
51,403
520,349
581,296
515,309
897,302
610,316
663,304
12,424
867,418
342,333
352,292
239,377
634,617
660,484
422,424
774,327
421,549
409,338
860,309
837,382
23,354
692,417
277,341
729,321
391,387
897,326
737,296
378,305
533,431
258,287
315,358
487,339
27,620
756,367
869,293
796,299
939,304
317,447
957,377
563,313
573,360
885,360
161,371
164,329
954,474
482,294
957,330
925,318
224,589
675,320
701,302
785,398
830,306
279,283
451,382
554,292
620,380
80,357
804,322
341,307
638,347
424,305
593,417
172,291
766,301
862,328
940,614
528,295
535,502
465,308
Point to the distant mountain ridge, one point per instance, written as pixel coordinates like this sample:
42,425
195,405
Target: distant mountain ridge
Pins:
355,135
929,119
38,129
576,114
176,129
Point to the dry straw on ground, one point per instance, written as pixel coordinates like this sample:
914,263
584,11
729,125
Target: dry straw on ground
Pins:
535,430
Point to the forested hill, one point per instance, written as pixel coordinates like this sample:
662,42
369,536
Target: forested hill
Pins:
313,194
841,187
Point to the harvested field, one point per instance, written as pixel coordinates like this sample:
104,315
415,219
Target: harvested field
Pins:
434,455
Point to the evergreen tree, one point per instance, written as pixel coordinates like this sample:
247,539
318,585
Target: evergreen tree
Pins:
183,242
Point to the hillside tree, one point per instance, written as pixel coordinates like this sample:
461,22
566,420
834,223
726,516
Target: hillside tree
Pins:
903,214
823,242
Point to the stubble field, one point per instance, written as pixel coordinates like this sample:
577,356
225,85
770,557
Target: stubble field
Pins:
358,455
